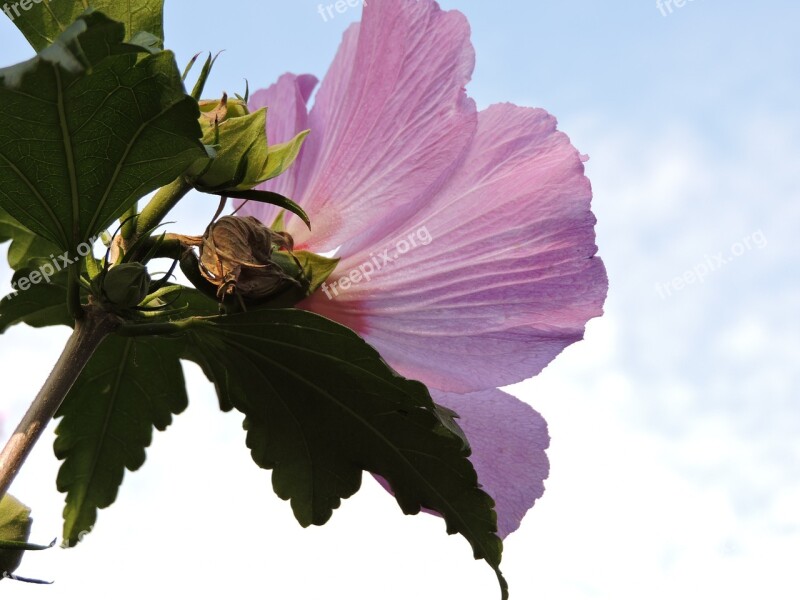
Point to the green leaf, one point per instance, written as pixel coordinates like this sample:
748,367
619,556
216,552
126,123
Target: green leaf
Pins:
88,129
25,245
45,20
15,526
43,302
273,198
38,305
243,158
130,386
321,406
147,42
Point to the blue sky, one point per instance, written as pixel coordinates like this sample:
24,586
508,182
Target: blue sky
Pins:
675,424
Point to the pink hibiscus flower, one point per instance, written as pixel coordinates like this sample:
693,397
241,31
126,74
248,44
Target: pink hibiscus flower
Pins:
466,238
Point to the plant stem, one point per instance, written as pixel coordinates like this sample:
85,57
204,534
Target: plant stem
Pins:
169,247
129,222
89,332
151,329
157,209
190,265
74,292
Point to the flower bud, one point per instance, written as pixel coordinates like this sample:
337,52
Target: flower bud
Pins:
218,111
239,156
125,285
15,526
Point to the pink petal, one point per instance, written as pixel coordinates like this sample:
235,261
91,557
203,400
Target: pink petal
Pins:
508,440
508,277
287,116
389,123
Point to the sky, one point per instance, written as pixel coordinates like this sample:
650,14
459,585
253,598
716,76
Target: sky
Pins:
675,424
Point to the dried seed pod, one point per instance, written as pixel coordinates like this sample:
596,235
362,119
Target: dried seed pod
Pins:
236,255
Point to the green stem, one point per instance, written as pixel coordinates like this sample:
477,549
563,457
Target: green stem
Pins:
89,332
129,223
162,203
148,329
92,266
190,266
167,248
74,292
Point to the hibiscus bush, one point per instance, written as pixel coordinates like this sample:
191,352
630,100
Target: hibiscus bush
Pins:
378,266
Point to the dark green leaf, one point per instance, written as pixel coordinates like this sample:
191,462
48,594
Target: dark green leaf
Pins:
267,197
129,387
321,407
25,245
43,303
45,20
449,418
40,305
88,129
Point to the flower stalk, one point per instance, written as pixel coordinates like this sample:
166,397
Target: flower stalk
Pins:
162,203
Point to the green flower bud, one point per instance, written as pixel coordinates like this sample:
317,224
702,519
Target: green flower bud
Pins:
241,156
15,526
126,285
218,111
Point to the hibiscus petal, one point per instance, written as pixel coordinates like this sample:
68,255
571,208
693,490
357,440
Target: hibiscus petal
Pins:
494,276
508,440
389,124
287,115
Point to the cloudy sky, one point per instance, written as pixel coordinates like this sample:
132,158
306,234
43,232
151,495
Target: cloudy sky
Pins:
675,425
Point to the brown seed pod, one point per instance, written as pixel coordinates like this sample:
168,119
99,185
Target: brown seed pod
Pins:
236,255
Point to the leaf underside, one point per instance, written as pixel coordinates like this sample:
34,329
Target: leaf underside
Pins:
42,305
321,407
89,128
24,244
129,387
43,22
